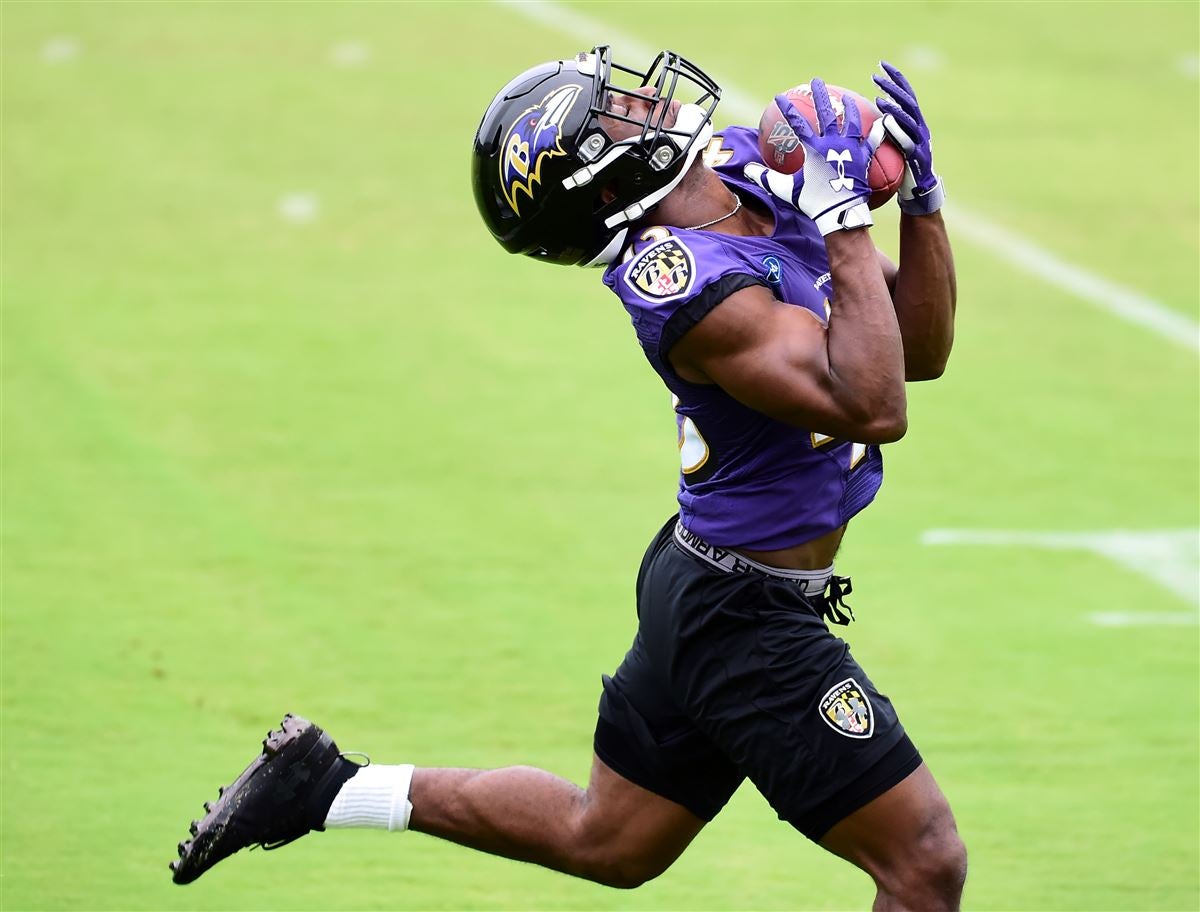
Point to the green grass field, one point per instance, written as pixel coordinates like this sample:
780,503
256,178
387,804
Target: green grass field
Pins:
368,468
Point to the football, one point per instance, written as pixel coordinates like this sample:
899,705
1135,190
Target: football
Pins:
782,150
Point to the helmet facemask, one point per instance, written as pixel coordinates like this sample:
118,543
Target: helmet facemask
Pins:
641,169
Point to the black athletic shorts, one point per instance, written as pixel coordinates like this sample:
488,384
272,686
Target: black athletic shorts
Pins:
734,674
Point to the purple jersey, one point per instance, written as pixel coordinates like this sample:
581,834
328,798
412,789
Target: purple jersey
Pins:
747,480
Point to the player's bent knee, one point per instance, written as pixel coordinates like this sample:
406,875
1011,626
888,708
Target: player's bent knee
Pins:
934,871
625,876
613,859
943,864
619,868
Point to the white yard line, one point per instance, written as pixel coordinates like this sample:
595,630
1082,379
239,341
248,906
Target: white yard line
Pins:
1020,252
1133,619
348,54
298,208
1168,557
60,49
1125,303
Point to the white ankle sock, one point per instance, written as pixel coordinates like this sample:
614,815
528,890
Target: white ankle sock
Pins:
376,797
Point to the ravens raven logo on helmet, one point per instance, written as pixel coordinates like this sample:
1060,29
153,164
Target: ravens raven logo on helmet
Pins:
534,137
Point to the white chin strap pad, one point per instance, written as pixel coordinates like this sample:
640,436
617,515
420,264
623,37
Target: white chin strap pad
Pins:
611,252
635,211
691,120
691,117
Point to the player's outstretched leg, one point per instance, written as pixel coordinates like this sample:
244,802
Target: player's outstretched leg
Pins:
613,832
284,793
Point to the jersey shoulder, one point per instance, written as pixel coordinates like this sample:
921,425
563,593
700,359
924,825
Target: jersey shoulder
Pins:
664,265
669,279
731,150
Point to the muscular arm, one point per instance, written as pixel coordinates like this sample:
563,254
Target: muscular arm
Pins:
845,380
923,292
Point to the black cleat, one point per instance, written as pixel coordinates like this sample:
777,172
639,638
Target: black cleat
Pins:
282,795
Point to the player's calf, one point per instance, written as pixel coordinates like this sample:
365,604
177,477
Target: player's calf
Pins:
613,833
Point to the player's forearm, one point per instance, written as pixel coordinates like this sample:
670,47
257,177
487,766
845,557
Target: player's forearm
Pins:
866,357
924,295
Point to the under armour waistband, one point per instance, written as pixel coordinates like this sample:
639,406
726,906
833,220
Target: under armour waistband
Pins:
811,582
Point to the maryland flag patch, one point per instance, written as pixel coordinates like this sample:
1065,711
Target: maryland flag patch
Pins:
847,710
663,272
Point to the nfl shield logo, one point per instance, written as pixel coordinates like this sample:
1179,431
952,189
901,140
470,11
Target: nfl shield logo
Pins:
847,710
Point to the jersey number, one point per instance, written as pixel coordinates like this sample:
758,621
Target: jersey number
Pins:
714,155
857,450
694,452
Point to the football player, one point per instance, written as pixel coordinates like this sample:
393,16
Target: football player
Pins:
786,340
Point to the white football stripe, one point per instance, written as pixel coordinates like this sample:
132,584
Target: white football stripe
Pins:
1133,619
1026,255
298,208
350,54
1169,557
60,49
1129,305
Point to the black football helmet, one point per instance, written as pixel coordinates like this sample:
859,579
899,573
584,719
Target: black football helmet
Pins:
541,157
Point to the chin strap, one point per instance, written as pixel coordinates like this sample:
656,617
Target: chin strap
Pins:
611,252
703,135
694,121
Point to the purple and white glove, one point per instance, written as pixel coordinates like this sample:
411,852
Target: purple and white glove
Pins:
921,192
831,188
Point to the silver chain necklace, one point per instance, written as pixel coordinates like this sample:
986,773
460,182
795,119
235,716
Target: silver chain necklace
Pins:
728,215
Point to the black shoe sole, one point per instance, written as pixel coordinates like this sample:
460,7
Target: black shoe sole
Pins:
196,855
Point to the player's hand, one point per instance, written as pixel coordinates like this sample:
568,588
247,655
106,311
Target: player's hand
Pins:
832,187
921,192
